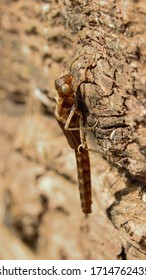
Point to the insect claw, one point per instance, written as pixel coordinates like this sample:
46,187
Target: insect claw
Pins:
79,147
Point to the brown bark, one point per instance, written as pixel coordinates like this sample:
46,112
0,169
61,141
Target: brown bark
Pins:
109,74
103,46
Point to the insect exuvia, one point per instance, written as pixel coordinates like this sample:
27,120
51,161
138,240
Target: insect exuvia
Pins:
70,120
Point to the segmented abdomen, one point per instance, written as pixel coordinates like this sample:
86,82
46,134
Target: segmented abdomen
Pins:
84,178
83,168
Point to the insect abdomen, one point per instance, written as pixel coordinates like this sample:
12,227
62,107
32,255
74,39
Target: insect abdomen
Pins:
84,178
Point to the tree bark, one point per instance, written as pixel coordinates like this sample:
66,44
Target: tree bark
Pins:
109,80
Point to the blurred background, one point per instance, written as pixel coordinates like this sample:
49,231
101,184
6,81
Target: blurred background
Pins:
40,213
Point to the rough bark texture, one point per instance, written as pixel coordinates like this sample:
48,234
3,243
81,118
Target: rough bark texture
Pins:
103,44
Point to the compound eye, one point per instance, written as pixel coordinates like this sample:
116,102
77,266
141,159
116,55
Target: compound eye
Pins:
65,89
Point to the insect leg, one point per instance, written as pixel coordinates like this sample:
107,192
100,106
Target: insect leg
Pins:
80,128
82,134
68,121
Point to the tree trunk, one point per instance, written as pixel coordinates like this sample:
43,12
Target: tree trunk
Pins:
109,78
